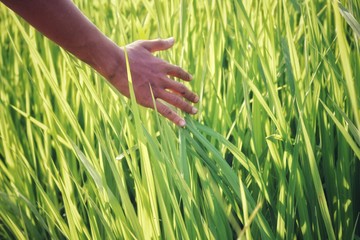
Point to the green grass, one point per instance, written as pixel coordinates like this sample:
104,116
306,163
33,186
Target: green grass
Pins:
273,152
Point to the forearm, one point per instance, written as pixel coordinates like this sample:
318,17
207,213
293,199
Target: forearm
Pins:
62,22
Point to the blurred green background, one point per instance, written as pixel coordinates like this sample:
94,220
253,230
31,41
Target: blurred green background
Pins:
273,152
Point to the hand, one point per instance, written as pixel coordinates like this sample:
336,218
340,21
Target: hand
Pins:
151,75
64,23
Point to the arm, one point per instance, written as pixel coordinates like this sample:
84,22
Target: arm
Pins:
62,22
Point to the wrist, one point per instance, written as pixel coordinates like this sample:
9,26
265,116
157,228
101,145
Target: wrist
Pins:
105,57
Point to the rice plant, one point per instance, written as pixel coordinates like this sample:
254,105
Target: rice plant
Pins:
273,152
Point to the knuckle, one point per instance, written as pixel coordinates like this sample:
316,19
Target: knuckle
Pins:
167,112
182,90
155,89
163,65
164,110
180,103
177,101
164,81
145,103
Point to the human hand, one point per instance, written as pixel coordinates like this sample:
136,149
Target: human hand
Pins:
151,75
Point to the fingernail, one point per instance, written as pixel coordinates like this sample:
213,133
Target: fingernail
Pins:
190,76
171,40
196,99
182,123
194,110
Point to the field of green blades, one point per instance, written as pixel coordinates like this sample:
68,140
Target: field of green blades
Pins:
274,152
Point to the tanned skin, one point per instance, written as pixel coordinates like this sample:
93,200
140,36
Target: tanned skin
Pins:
63,23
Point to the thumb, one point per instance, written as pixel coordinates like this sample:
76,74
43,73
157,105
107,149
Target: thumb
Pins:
158,44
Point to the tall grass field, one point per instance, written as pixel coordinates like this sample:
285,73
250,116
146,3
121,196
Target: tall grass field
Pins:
273,153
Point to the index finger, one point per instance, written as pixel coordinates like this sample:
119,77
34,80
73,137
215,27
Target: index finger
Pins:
176,71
